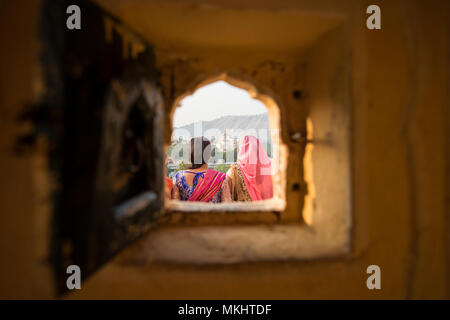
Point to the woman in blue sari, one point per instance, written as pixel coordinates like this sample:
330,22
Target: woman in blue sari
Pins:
200,183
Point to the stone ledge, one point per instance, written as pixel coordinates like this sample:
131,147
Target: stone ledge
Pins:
237,244
274,205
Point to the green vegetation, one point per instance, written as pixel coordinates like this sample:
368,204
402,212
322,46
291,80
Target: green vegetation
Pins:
183,166
222,167
269,149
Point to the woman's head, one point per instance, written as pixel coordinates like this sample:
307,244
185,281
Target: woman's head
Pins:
252,152
200,151
256,168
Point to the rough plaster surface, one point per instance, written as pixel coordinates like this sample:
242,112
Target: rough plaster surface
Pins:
327,83
400,221
399,213
212,245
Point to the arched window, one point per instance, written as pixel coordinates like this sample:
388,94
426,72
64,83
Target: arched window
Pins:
225,111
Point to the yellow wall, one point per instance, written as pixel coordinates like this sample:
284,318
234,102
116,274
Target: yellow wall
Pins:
24,202
398,171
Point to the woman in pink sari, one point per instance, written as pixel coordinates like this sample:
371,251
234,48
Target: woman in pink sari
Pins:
251,178
200,183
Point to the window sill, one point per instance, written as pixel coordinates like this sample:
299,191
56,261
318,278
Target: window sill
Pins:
240,244
233,213
272,205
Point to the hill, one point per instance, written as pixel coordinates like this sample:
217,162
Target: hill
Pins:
228,123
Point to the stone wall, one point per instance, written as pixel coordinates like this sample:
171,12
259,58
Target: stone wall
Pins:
398,166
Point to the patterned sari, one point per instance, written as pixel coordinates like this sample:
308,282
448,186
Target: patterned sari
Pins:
251,178
211,188
208,187
237,185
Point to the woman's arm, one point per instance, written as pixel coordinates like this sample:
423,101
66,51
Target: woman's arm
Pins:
175,192
229,179
225,195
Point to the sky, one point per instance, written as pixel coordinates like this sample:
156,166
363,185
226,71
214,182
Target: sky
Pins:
216,100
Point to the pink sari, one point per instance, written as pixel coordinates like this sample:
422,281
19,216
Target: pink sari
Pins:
208,187
256,169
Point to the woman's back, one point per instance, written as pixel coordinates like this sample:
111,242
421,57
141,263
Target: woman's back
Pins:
251,178
237,185
200,183
187,181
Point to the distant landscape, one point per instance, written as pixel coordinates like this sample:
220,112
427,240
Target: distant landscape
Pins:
227,123
229,150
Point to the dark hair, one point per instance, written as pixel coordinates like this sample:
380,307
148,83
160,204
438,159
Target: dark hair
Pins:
200,152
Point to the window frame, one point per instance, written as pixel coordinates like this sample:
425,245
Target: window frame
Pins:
269,211
206,238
